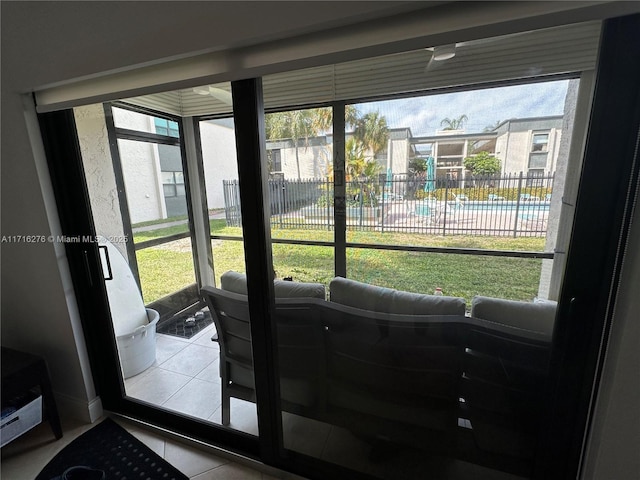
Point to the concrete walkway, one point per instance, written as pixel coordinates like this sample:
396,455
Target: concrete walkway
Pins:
157,226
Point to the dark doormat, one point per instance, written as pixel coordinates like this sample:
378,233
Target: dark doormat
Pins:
180,326
110,448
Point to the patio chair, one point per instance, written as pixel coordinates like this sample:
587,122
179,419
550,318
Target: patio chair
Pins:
493,197
300,352
506,367
527,197
394,378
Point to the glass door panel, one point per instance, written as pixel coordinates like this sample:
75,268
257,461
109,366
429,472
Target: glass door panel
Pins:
234,374
431,356
140,197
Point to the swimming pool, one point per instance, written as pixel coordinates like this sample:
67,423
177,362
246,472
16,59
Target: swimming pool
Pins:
426,207
503,205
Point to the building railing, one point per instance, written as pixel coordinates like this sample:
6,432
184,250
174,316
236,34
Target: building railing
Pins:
507,205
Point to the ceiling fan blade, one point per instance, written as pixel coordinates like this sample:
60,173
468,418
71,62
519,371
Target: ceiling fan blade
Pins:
221,94
429,65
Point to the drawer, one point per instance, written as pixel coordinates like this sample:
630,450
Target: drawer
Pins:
20,421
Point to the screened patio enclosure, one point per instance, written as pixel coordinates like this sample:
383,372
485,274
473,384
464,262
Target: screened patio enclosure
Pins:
353,215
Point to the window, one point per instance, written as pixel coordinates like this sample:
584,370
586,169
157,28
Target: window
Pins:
173,184
275,160
535,177
540,142
166,127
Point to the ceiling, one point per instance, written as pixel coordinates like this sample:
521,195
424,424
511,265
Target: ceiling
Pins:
539,53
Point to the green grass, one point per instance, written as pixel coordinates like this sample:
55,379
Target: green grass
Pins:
164,271
159,221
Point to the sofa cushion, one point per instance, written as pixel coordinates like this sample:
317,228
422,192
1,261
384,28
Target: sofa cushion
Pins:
536,316
388,300
237,283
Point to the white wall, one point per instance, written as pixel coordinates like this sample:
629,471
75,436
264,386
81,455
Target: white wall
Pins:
398,156
219,159
140,165
38,308
98,168
315,161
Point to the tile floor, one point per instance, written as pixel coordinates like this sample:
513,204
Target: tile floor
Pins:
185,378
25,457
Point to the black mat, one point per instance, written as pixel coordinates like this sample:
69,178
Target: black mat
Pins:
110,448
178,327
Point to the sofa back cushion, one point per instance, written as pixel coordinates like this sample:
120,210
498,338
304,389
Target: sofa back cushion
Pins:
387,300
538,316
237,283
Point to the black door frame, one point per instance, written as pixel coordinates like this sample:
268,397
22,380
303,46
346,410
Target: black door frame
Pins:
601,223
608,185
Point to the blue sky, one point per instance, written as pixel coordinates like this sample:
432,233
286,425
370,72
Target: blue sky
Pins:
483,107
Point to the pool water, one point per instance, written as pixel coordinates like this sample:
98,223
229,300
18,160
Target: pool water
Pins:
426,207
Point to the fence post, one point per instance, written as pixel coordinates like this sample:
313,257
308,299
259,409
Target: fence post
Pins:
382,207
329,198
515,221
446,199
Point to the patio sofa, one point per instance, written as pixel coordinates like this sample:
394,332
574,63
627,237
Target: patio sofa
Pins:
394,365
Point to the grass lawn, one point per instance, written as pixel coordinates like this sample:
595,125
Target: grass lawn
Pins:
163,270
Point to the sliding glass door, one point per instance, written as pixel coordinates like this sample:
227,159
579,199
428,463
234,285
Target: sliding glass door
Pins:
387,281
154,194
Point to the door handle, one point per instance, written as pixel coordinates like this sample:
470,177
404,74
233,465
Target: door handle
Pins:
106,258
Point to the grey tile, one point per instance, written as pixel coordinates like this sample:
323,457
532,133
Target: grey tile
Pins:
167,346
157,386
211,372
197,398
190,361
244,416
204,337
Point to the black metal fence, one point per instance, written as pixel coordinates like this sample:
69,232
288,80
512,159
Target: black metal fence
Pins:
507,205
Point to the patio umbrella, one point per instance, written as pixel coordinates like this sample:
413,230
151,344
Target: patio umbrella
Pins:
430,183
389,178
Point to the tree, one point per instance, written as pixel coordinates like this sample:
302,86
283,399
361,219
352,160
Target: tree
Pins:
372,131
297,125
482,164
454,123
303,124
491,128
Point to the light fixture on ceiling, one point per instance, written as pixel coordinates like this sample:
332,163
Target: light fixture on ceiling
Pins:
216,92
444,52
204,90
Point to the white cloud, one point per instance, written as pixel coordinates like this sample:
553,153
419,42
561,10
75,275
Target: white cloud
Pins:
482,107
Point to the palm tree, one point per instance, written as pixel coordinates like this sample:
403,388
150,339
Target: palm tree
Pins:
372,131
454,123
296,125
303,124
491,128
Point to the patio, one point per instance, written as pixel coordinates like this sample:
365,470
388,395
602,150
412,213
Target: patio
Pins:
185,379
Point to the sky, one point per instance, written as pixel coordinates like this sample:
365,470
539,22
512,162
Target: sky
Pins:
482,107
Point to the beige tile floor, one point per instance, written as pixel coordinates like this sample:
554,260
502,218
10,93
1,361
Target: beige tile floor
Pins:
185,378
25,457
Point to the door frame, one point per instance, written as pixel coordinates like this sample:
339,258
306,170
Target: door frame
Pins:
601,224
